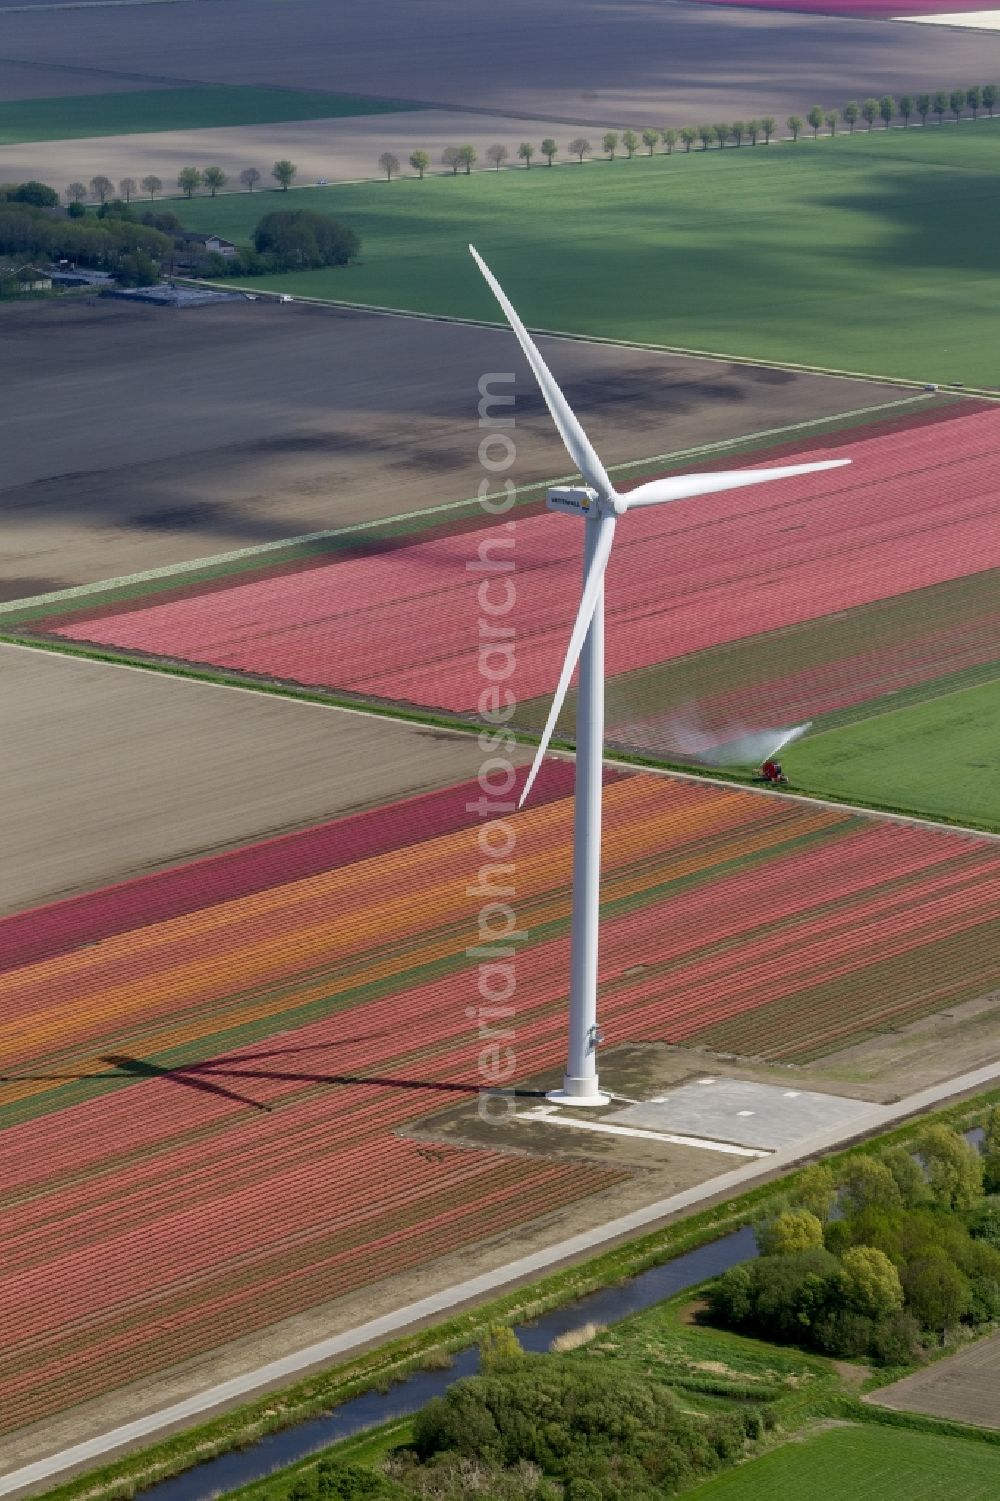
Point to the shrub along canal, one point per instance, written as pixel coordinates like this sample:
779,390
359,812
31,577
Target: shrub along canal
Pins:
608,1305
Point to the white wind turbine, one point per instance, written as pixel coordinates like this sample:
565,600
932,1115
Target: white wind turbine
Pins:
599,505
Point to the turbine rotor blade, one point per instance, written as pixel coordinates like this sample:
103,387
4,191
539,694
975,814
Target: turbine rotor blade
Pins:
574,438
657,492
588,604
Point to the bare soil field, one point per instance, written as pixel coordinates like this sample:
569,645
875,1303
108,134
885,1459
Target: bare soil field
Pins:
140,437
110,773
31,80
634,62
345,148
964,1387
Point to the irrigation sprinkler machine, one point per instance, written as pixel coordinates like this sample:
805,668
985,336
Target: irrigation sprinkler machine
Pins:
597,506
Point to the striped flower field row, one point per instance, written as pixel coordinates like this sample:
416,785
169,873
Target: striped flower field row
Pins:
208,1075
825,672
916,510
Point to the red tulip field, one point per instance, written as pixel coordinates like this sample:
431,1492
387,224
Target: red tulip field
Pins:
207,1073
819,578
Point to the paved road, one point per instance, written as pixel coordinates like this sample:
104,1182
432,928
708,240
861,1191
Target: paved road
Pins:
102,1446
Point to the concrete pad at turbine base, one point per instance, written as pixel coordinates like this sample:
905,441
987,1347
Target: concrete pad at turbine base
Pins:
736,1110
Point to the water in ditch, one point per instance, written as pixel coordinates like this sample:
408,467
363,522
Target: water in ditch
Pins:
606,1306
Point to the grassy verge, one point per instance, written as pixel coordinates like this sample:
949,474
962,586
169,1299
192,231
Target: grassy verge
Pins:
122,1479
708,1369
894,801
845,1464
822,253
939,758
198,108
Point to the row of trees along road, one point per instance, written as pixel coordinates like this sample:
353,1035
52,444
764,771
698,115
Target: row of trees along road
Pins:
887,109
189,180
630,142
612,143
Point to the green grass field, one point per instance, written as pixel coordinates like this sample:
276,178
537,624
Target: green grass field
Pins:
855,1464
172,109
663,1343
940,759
868,253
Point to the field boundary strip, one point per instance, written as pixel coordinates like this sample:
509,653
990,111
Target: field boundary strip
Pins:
243,683
719,356
877,1118
613,760
191,569
864,810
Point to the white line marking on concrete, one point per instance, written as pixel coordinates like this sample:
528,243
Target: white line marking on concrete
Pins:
545,1113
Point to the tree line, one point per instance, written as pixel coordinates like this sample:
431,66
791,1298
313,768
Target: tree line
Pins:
101,189
31,225
888,109
544,1428
883,1264
755,131
938,103
138,248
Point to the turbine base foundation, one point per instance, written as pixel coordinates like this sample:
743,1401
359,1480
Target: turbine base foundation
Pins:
578,1092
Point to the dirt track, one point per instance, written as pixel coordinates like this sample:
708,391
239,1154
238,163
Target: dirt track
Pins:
638,61
109,773
139,437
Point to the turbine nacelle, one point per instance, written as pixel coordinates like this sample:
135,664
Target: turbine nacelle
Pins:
573,500
581,500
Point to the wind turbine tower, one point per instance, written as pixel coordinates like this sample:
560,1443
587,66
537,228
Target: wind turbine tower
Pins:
597,505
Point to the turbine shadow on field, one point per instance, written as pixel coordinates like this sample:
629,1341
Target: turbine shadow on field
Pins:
140,1068
203,1075
283,1076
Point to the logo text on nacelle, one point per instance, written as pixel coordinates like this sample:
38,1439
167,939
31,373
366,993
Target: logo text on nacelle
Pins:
575,500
